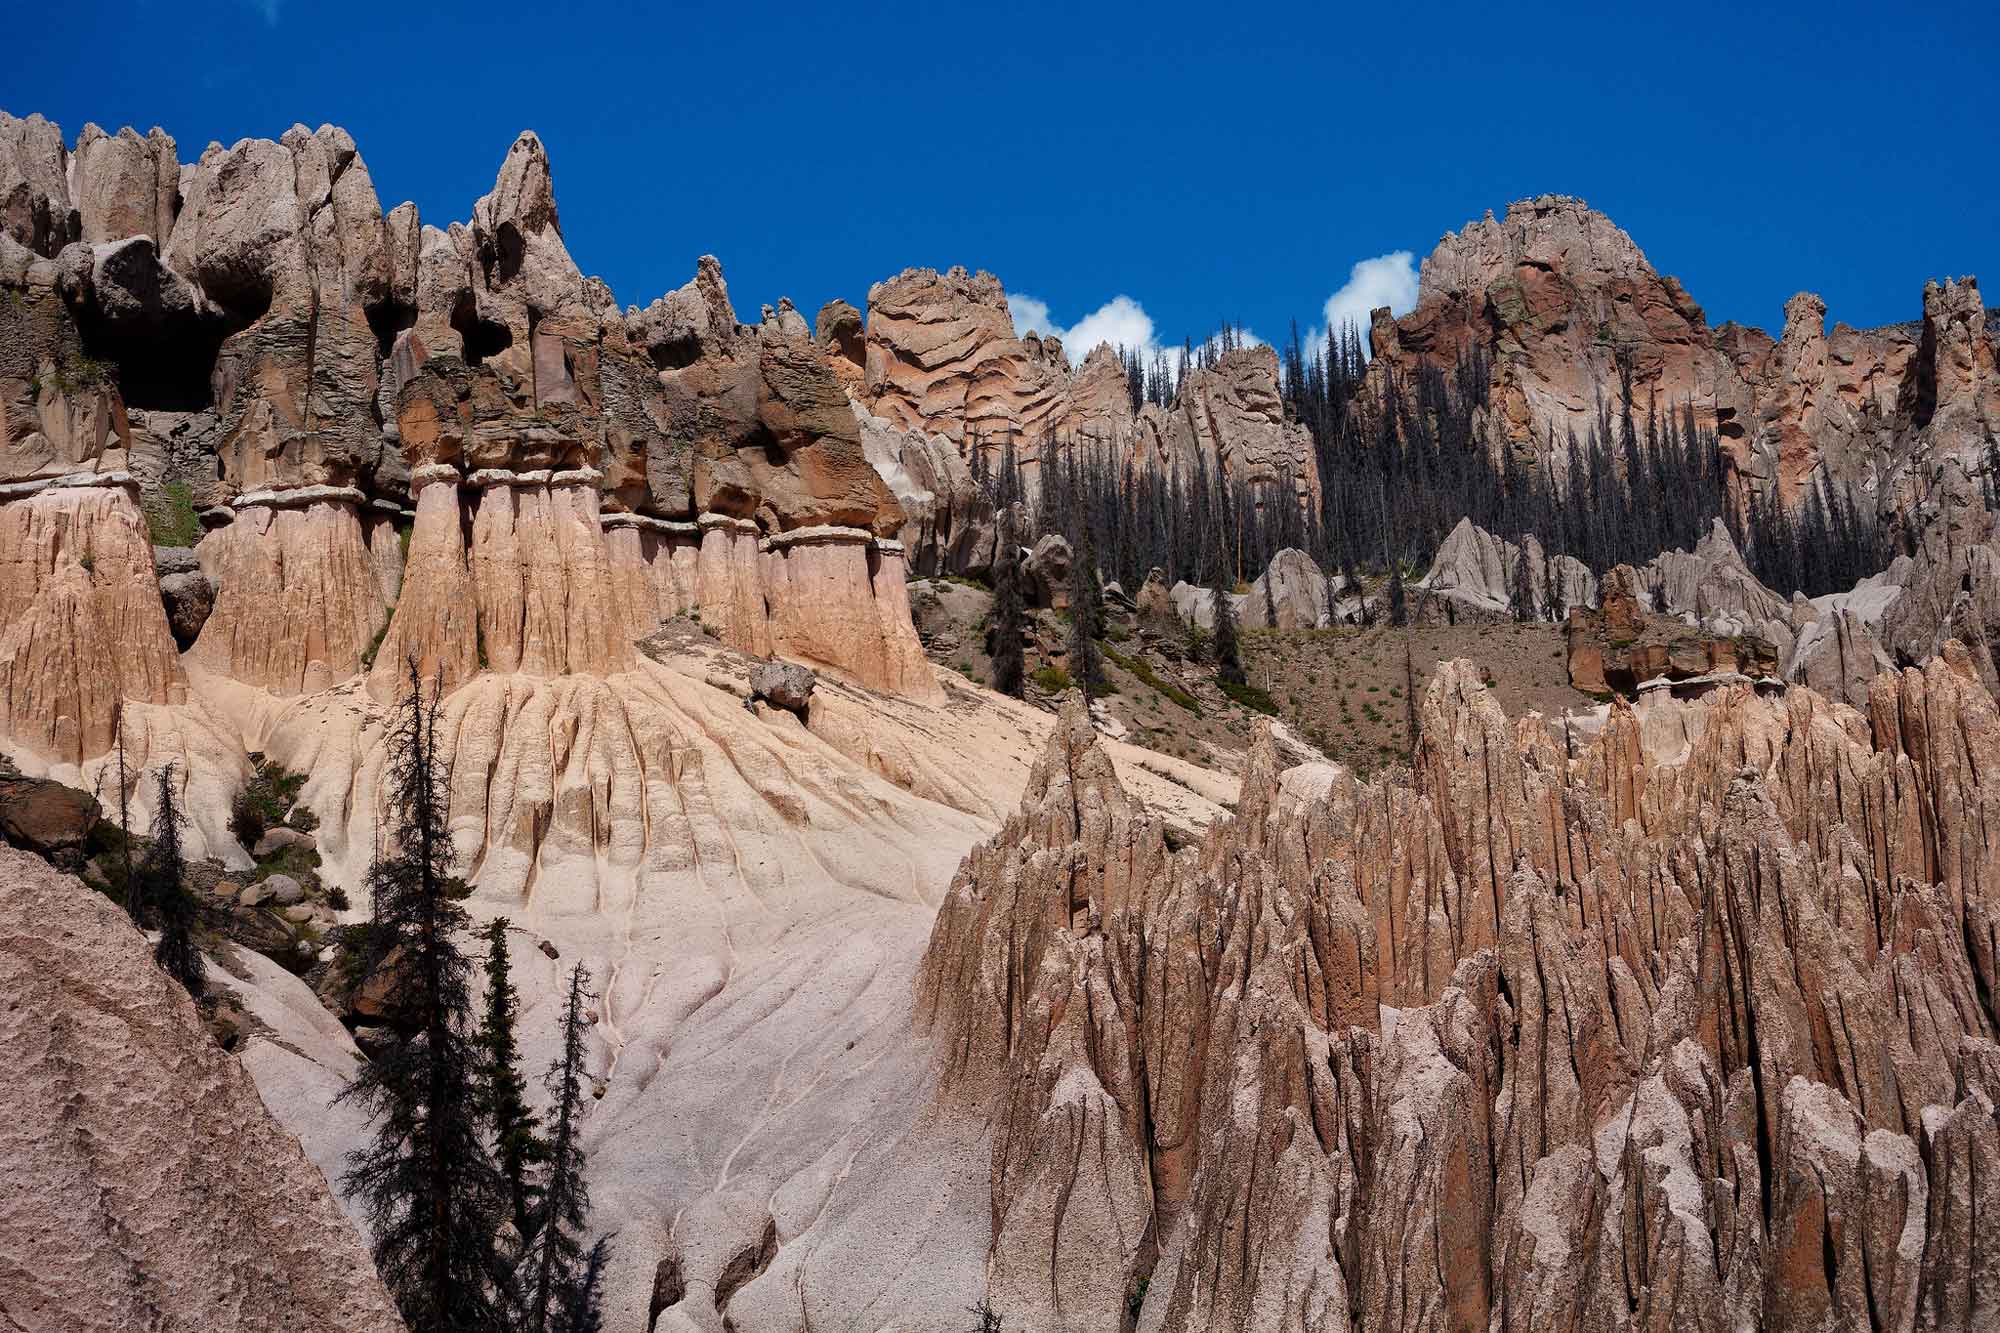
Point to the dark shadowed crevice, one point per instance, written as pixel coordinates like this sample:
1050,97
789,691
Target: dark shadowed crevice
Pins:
481,338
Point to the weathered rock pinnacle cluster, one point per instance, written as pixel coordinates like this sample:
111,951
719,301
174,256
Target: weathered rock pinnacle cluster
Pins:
1691,1028
1559,299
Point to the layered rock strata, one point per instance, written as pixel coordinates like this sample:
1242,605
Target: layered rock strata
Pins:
942,360
1686,1030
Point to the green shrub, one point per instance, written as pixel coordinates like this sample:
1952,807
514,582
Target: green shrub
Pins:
1052,679
1249,696
1138,667
170,516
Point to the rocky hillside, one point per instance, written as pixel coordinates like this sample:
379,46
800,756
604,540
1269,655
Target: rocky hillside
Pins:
148,1187
1562,302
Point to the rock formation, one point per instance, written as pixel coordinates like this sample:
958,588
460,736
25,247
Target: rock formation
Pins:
942,359
148,1186
1623,645
1563,305
1297,592
1686,1030
333,387
1477,573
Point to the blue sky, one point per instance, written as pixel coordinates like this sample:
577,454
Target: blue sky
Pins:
1202,162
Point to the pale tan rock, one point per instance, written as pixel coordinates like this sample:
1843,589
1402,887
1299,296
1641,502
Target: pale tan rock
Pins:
35,207
1297,592
124,185
948,521
151,1186
1478,573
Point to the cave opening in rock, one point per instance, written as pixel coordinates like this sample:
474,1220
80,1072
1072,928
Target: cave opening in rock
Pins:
386,319
480,338
173,373
675,353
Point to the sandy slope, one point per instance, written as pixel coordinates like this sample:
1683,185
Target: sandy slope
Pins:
753,898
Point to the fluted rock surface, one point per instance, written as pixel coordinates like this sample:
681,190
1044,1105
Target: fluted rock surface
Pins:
147,1185
82,627
1689,1030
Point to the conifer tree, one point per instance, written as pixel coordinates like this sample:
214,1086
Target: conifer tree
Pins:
434,1198
164,891
1085,614
1009,613
558,1273
517,1148
134,908
1399,611
1228,661
1270,603
1521,594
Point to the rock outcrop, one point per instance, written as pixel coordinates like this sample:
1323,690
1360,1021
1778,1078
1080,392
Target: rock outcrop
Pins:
148,1186
1567,312
942,359
1686,1030
1624,646
247,334
1484,576
1292,589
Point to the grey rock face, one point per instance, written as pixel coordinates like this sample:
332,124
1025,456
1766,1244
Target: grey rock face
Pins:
785,685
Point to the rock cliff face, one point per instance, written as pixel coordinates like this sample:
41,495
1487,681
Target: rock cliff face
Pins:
1562,302
333,386
942,359
147,1185
1687,1030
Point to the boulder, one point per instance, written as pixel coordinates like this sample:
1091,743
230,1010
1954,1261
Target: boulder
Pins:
785,685
45,817
188,599
1154,600
1196,606
1297,592
1477,573
283,890
279,838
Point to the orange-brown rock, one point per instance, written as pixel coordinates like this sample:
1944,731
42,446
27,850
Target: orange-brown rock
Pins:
1567,313
942,357
1684,1030
1621,645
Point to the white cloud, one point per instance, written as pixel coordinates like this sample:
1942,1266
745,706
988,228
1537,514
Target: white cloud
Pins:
1121,322
1030,315
1386,280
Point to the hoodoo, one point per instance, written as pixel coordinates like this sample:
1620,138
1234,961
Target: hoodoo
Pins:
1488,833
